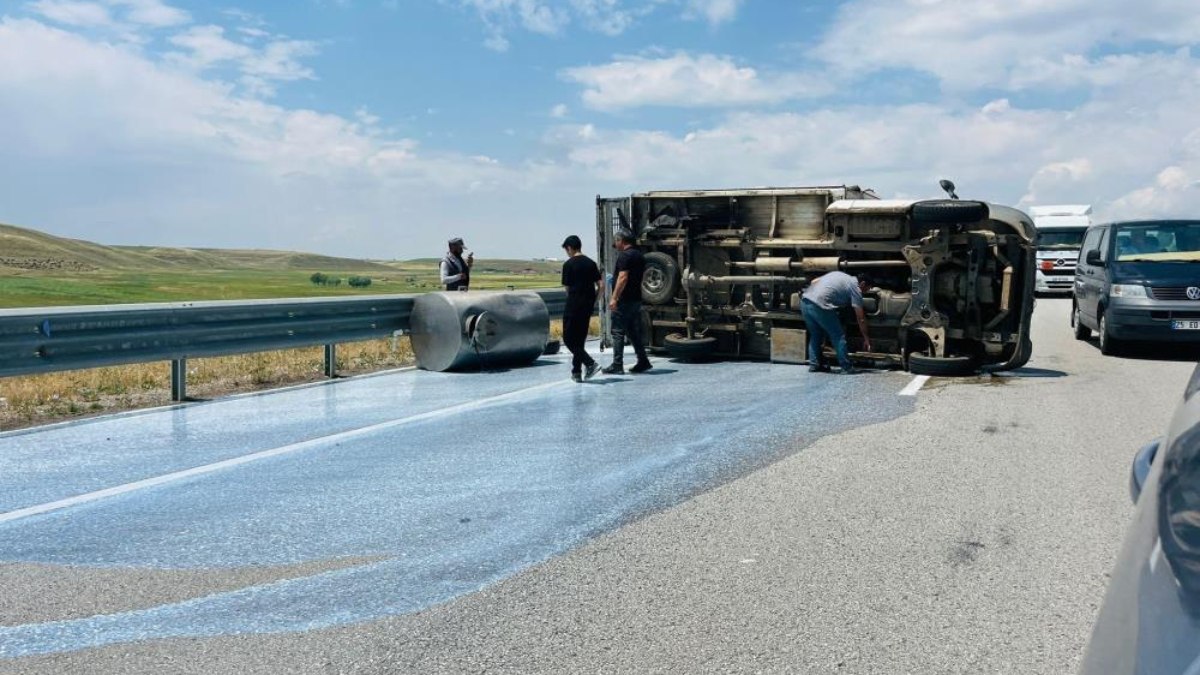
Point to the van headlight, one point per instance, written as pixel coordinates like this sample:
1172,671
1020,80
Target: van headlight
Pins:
1128,291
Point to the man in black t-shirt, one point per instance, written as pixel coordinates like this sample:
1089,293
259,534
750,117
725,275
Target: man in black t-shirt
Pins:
626,306
581,278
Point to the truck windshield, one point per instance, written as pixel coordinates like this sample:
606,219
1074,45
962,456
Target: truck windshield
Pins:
1172,241
1060,239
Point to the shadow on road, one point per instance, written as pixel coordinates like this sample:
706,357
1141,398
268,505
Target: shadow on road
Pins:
1035,372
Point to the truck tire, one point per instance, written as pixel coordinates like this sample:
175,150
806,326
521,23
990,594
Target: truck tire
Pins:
680,346
945,211
949,366
660,282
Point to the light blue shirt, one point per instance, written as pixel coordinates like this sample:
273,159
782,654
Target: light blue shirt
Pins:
833,290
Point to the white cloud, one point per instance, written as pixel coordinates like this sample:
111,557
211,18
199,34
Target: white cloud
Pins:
609,17
685,80
1132,147
1057,177
278,60
713,11
970,44
112,14
207,45
153,13
186,160
559,111
71,13
537,16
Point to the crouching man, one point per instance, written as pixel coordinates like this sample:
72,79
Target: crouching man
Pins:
820,304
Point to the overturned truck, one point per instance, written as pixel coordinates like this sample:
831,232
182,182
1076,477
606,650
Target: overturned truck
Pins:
953,279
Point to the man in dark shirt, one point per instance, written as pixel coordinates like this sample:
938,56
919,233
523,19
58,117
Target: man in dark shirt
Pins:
626,306
581,278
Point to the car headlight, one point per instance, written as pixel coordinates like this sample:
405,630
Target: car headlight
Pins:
1128,291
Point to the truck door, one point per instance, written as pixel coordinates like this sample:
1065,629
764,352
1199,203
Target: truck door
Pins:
611,216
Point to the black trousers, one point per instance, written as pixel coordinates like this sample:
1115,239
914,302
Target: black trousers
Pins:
575,332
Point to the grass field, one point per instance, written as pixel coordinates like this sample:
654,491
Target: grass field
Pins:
29,289
38,270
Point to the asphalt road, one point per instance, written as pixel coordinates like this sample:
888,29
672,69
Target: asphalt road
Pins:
780,522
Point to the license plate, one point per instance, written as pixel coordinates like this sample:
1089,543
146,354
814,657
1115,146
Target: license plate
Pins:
1185,325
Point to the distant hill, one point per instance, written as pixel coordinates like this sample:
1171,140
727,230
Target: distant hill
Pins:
25,249
485,266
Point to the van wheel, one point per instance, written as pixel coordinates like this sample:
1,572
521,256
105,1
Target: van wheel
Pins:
681,347
1109,345
949,366
660,282
1082,332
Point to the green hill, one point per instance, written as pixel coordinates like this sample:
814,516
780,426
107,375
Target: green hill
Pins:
26,249
39,269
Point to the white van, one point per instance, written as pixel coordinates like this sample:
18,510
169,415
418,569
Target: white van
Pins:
1060,234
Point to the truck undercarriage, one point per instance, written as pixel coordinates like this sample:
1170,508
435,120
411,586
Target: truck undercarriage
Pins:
952,281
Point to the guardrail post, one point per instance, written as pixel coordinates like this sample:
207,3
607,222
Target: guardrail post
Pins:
331,360
179,379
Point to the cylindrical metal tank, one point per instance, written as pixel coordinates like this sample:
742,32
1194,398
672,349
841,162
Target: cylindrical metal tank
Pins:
456,330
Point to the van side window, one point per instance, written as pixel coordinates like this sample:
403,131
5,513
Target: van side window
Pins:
1089,243
1104,239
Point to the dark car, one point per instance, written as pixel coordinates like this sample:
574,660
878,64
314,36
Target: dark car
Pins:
1139,281
1150,621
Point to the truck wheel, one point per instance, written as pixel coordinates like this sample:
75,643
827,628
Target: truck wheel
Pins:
942,211
660,282
1109,345
1082,332
950,366
681,347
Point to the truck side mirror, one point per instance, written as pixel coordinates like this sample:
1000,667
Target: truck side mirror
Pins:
1093,258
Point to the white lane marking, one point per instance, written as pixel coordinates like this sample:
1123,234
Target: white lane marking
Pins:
914,386
264,454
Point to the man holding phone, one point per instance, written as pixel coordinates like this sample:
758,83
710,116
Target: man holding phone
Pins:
456,270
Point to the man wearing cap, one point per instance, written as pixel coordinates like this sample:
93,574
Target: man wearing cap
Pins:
456,271
581,278
820,304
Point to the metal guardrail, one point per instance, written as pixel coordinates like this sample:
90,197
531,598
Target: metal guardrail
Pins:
49,339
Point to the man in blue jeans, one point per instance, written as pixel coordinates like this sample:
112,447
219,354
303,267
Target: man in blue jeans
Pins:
820,304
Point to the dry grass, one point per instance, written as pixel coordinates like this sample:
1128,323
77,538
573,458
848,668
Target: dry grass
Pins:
37,399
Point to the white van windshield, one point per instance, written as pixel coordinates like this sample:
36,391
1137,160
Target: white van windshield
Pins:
1172,241
1060,238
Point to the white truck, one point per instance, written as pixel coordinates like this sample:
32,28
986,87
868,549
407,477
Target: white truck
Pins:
953,279
1060,234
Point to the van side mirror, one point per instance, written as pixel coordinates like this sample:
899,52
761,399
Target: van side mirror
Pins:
1093,257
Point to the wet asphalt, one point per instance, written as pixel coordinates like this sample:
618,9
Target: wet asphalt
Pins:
782,522
442,483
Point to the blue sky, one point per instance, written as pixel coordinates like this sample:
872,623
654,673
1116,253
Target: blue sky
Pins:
378,127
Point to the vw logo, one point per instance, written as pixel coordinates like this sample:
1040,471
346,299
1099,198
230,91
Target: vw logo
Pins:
1193,292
